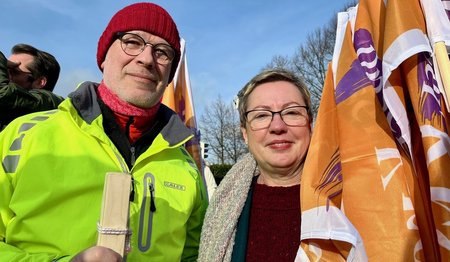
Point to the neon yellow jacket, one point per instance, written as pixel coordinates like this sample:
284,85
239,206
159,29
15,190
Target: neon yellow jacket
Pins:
52,177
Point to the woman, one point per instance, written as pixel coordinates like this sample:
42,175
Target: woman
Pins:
254,214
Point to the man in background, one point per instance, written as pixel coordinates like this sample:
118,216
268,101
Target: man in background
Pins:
27,80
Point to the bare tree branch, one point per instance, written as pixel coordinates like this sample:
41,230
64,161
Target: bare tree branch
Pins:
220,129
310,61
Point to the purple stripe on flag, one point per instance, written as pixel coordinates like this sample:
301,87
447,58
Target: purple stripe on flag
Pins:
372,66
331,178
182,109
354,80
430,96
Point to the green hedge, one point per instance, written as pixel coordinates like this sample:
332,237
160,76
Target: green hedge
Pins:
219,171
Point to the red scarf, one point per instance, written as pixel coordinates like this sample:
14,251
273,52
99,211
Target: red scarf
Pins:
143,118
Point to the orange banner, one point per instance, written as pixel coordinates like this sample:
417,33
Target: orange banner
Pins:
375,184
178,96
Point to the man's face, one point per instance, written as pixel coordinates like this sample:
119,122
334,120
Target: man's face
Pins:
19,73
138,80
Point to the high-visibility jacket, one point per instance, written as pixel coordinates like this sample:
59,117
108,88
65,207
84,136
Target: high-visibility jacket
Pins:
52,178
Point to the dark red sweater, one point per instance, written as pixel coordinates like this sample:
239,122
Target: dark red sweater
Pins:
274,233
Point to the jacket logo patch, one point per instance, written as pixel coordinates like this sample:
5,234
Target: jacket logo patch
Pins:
174,186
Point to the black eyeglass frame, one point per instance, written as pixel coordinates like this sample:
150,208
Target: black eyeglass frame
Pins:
273,114
171,56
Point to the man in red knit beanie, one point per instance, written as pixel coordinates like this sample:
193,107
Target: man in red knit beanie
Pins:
52,185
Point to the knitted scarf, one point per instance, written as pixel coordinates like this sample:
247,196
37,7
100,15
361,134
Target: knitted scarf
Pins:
225,207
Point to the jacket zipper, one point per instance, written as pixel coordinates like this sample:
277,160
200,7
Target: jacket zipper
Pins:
132,189
148,207
133,155
151,187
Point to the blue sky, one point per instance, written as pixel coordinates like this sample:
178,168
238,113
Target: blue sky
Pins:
227,42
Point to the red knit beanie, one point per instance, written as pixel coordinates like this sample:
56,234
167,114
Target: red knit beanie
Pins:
147,17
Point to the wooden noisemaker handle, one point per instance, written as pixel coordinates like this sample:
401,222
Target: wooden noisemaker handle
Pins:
112,228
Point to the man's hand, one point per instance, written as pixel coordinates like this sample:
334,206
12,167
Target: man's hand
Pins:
10,64
97,254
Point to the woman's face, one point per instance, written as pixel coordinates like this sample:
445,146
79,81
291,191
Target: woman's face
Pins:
279,148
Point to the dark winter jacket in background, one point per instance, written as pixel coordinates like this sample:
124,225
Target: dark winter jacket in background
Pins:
16,101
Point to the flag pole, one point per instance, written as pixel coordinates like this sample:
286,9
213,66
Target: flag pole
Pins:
444,69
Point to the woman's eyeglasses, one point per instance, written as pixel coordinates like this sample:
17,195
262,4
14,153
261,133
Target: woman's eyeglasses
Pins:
291,116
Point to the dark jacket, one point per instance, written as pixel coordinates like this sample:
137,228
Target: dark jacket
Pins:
16,101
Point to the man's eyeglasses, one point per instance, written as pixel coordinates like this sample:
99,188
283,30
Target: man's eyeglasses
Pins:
133,44
291,116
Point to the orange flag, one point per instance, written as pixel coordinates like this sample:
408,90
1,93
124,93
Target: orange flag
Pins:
169,96
375,185
178,96
326,233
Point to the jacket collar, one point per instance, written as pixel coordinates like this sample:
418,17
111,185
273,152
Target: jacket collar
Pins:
84,100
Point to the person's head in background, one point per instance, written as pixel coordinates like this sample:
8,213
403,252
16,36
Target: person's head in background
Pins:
138,54
275,116
32,68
